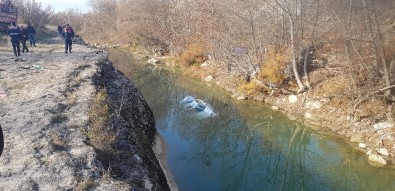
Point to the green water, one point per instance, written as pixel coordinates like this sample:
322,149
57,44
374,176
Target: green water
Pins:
247,146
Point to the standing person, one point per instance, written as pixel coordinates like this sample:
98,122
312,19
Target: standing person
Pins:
68,35
24,36
31,32
14,33
60,30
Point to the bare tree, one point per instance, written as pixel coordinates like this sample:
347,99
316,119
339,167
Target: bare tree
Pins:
286,8
74,17
33,12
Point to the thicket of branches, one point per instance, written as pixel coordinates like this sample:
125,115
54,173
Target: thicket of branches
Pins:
40,16
71,16
33,12
240,33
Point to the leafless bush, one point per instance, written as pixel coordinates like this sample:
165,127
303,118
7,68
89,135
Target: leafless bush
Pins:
359,31
33,12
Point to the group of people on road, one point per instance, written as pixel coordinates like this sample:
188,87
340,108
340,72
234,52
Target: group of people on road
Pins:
22,34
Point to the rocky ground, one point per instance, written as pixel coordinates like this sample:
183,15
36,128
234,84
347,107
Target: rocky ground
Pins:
45,99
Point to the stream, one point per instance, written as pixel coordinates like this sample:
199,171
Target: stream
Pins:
247,146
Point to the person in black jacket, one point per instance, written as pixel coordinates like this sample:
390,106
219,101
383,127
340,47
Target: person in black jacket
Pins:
31,33
68,35
24,37
60,30
14,33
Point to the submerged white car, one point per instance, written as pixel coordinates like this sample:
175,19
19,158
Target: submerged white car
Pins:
199,108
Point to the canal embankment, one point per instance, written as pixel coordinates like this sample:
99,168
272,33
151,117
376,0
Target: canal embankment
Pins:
73,122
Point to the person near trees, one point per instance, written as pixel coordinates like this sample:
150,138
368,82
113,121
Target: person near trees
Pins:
31,34
60,30
24,38
68,35
14,33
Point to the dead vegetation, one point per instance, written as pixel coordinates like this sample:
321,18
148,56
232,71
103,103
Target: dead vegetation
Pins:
100,134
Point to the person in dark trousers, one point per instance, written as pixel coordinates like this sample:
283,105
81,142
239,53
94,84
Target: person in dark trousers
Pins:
24,37
68,35
60,30
14,33
31,33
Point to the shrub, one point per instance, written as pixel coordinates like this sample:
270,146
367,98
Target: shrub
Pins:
193,54
252,88
274,65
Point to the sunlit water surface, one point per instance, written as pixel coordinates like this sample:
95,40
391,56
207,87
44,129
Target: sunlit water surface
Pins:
247,146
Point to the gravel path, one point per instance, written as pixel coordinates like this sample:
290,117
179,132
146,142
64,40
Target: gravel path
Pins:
43,109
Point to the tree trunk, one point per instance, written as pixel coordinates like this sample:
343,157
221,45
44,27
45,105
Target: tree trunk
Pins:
305,62
301,86
288,13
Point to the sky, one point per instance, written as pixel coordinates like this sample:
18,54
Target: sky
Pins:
62,5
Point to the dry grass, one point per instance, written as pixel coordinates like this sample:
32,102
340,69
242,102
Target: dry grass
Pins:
196,72
333,86
57,140
253,88
101,136
373,108
71,99
18,86
193,55
86,185
272,69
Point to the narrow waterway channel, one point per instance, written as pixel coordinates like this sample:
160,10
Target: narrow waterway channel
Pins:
247,146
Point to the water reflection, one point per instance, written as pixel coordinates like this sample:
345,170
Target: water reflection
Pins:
248,146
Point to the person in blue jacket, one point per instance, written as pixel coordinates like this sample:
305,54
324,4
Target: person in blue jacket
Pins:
15,36
68,35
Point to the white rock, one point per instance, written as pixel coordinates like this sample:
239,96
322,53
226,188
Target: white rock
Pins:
291,117
138,158
208,79
308,116
292,98
325,100
313,105
241,98
383,151
363,146
377,160
153,61
274,107
147,184
383,125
